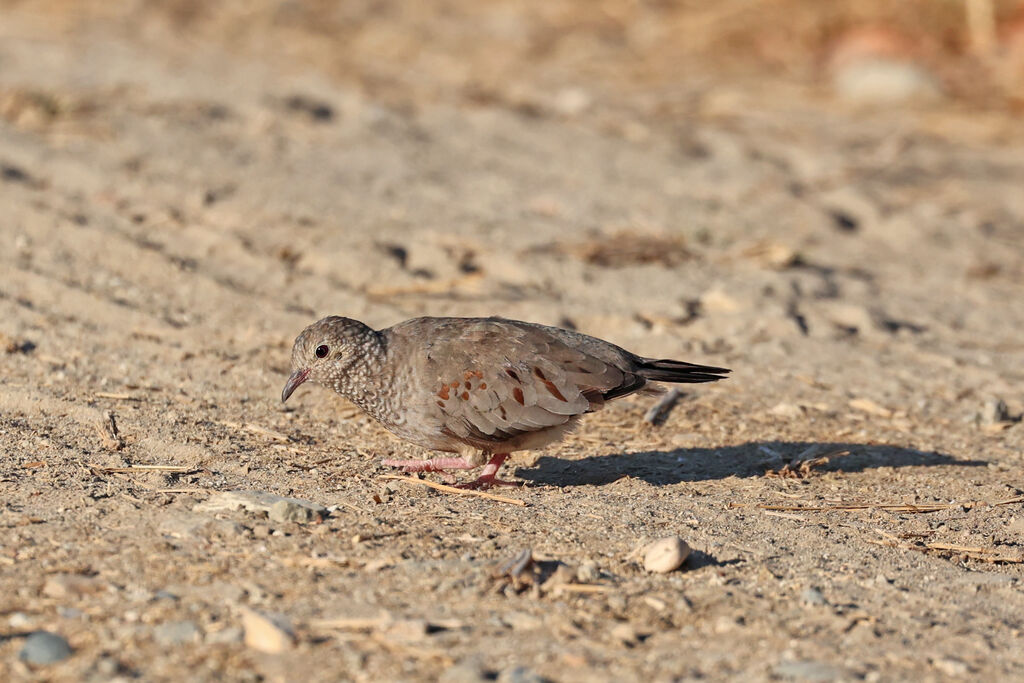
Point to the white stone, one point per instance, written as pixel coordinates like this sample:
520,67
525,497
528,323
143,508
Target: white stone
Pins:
665,555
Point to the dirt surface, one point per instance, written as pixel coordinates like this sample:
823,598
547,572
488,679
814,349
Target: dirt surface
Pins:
174,212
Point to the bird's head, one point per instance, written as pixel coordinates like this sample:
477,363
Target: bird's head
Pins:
325,351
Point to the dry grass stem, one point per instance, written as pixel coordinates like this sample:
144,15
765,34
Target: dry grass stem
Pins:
891,507
452,489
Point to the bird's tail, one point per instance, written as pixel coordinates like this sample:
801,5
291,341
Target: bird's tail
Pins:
666,370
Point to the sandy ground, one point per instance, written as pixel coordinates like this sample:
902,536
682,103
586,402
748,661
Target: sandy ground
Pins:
174,214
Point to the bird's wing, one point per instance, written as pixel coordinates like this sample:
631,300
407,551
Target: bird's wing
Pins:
495,380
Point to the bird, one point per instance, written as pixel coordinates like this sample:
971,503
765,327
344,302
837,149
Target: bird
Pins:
478,389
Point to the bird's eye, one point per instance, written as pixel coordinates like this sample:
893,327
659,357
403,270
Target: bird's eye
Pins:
321,351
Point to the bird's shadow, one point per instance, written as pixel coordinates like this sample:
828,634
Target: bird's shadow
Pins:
753,459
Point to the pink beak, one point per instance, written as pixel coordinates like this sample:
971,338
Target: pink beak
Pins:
297,378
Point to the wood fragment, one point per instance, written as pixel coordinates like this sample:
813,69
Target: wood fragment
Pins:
109,435
471,282
581,588
517,565
868,406
452,489
413,651
355,507
352,623
801,466
143,468
977,553
659,412
990,555
115,396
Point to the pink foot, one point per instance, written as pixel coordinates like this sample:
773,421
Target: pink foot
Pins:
487,477
483,483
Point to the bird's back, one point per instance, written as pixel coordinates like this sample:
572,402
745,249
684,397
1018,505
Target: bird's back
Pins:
490,382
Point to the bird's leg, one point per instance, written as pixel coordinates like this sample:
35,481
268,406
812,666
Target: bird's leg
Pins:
487,476
432,465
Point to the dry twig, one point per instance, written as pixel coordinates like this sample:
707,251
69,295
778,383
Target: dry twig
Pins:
181,469
659,412
800,467
353,623
991,555
109,435
581,588
891,507
452,489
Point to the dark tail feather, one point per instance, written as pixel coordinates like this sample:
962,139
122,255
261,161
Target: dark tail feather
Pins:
666,370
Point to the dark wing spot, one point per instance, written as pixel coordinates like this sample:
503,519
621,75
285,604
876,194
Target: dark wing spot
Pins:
483,385
504,415
540,375
440,404
444,392
468,385
465,396
517,394
553,390
512,373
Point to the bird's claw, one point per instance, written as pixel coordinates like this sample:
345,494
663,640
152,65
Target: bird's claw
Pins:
484,483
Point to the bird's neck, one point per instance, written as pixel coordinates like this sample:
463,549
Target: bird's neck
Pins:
362,379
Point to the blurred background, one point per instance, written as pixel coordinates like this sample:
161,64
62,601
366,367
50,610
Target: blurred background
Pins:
824,196
630,54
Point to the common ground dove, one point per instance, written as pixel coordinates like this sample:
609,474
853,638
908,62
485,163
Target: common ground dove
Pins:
480,388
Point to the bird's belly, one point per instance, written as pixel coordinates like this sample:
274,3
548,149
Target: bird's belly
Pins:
431,439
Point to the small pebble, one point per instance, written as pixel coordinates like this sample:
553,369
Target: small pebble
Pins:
813,596
231,634
625,634
164,595
293,511
519,674
951,666
994,411
408,630
18,620
108,667
466,671
176,633
43,647
787,411
665,555
260,501
572,102
885,81
809,670
588,573
62,586
521,621
725,624
266,633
